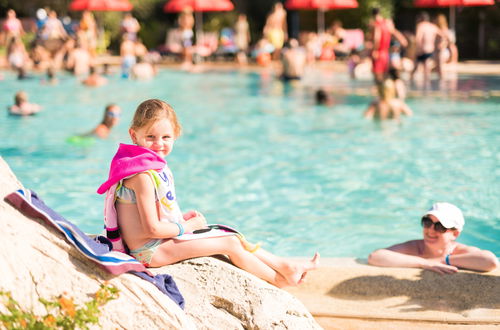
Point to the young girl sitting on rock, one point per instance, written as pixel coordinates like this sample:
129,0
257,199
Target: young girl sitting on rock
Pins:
141,188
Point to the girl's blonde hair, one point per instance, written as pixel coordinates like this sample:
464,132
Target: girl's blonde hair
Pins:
153,110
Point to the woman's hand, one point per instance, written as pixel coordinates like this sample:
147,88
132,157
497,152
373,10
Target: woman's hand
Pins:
437,265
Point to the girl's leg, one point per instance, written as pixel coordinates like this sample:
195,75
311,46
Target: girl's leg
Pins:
293,271
172,251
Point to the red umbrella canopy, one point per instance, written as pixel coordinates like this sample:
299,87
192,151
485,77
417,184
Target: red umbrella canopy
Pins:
448,3
321,4
175,6
101,5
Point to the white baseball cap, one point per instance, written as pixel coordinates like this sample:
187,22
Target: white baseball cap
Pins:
448,214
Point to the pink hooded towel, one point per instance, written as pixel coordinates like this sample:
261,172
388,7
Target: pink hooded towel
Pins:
128,160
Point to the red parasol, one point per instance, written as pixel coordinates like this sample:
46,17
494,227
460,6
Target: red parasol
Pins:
321,6
447,3
101,5
175,6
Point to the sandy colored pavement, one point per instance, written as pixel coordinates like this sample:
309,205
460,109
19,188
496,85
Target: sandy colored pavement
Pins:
349,294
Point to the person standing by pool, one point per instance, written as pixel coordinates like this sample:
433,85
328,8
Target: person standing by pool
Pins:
293,60
447,50
11,28
381,31
127,54
130,26
186,25
438,250
275,29
141,188
425,39
242,38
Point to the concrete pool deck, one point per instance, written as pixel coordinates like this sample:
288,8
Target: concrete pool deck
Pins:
346,293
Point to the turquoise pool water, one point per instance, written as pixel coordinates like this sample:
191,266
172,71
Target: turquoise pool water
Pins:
260,156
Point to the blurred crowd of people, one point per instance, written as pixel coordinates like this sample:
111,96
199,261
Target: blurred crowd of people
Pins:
383,51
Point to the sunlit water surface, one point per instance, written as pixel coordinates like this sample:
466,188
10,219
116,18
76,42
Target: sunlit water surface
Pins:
260,156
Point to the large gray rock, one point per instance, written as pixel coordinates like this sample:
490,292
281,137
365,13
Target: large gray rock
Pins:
36,261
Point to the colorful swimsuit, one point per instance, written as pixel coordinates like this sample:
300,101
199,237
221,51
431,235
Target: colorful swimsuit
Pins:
128,161
169,209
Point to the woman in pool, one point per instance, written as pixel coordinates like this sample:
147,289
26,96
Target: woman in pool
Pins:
150,219
111,118
438,251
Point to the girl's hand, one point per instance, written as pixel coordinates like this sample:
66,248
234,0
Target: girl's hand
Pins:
194,223
191,214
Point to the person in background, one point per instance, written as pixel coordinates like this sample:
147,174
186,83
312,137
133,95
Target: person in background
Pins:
111,117
399,84
79,58
22,107
381,31
425,40
387,105
446,48
127,54
11,28
438,251
143,70
130,26
51,78
275,29
242,38
17,58
186,25
94,79
322,97
87,32
293,59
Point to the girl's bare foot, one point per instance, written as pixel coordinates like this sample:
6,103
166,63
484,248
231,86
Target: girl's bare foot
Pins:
296,272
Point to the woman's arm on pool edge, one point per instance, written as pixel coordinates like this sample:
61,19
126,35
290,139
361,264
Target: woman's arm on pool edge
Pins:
473,258
405,255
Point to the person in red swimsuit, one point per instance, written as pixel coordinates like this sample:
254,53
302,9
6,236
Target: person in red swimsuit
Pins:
382,31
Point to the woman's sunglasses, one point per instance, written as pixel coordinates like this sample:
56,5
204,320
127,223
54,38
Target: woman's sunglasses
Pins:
427,223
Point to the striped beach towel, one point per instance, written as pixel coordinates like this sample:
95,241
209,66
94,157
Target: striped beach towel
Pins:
98,249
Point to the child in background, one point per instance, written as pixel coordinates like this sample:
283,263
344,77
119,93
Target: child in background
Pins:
438,250
111,118
387,106
22,107
150,219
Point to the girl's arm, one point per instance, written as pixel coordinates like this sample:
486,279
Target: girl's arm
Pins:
149,213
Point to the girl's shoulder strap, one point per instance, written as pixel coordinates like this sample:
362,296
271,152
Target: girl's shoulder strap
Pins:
155,177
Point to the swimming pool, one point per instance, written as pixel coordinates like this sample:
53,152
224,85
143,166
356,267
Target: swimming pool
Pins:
260,156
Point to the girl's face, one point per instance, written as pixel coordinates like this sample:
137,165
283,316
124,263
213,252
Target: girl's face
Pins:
159,137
